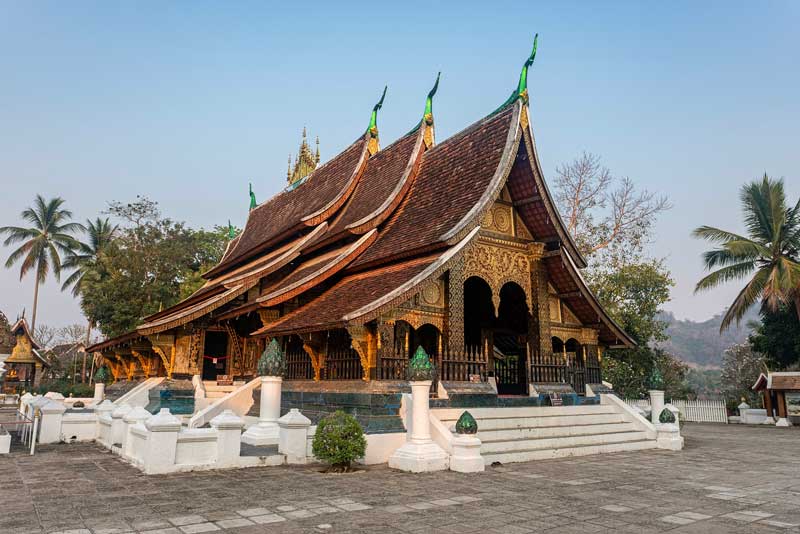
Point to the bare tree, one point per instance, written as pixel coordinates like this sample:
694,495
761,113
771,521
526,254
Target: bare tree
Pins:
602,212
45,336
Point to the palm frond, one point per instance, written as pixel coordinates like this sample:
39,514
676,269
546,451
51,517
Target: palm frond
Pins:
736,271
749,295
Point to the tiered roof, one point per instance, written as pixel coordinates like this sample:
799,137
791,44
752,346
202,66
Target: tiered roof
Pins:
363,231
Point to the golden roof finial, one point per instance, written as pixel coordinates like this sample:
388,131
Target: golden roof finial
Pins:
305,162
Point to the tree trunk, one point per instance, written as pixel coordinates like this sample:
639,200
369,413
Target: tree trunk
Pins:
35,305
797,305
86,344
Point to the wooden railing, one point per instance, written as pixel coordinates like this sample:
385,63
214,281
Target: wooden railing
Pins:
463,366
392,366
342,364
298,365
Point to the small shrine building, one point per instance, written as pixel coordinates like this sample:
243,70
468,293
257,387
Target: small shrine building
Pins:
25,365
455,245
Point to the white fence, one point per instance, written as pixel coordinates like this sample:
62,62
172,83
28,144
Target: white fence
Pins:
697,411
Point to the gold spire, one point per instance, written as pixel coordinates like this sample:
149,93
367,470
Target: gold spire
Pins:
304,163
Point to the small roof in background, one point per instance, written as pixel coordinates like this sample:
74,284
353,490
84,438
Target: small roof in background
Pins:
781,380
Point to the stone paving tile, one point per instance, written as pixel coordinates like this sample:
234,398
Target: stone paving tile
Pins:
724,481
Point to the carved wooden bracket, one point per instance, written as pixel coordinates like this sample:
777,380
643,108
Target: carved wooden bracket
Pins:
168,361
312,344
364,343
144,362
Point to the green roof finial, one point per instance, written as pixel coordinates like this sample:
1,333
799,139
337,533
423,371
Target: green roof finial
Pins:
231,231
428,116
373,119
522,88
253,202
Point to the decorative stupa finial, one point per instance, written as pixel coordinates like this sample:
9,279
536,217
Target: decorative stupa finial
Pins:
522,87
428,115
253,202
304,163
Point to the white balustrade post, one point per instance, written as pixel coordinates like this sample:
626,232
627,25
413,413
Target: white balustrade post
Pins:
229,438
266,431
102,410
293,442
133,417
656,404
118,425
420,453
99,392
162,442
52,416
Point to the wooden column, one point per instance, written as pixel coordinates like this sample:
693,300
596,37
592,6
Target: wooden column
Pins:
541,309
768,402
781,402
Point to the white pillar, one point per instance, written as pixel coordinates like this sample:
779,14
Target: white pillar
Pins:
419,454
656,405
293,441
229,438
266,431
118,425
133,417
784,422
52,415
99,392
669,436
162,442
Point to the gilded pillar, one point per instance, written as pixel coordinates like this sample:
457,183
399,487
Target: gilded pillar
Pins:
541,336
454,327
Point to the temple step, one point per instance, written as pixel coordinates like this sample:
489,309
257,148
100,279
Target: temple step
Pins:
546,454
539,432
560,442
553,431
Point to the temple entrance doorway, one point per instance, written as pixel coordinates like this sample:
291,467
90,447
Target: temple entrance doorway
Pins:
510,341
215,354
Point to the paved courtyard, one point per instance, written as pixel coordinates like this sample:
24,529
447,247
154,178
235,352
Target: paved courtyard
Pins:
728,479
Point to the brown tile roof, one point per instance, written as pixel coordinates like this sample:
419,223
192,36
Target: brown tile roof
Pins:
316,271
453,177
347,295
272,219
784,381
383,174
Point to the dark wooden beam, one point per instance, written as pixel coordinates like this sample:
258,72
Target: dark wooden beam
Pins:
551,253
527,200
570,294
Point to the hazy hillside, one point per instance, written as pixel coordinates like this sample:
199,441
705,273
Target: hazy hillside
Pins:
700,343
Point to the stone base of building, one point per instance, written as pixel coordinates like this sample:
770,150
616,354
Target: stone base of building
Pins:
419,458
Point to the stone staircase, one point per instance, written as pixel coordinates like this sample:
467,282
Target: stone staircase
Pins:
213,391
537,433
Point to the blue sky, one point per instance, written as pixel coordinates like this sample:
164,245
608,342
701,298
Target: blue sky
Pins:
186,102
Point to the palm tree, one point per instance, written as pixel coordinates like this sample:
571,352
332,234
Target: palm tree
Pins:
42,243
100,233
769,256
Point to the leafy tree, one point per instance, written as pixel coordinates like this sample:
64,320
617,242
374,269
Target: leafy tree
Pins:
612,222
152,263
741,366
633,295
100,233
778,337
43,243
767,257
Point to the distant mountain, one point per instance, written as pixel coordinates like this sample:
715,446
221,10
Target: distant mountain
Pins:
699,343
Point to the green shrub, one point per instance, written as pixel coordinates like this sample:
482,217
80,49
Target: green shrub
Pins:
339,440
65,388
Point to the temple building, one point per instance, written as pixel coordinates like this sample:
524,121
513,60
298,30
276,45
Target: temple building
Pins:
24,365
455,245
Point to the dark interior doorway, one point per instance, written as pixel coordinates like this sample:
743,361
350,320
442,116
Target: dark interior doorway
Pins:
215,355
510,341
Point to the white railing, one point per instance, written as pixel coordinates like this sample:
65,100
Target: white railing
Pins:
696,411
